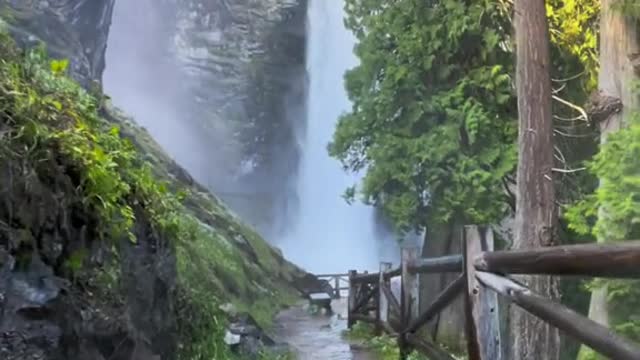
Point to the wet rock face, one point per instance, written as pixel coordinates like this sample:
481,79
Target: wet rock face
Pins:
245,63
47,310
75,30
220,85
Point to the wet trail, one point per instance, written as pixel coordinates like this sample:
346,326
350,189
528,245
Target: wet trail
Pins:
318,337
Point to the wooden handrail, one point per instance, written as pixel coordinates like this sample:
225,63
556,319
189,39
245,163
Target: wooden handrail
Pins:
443,264
589,332
374,277
619,260
332,275
480,281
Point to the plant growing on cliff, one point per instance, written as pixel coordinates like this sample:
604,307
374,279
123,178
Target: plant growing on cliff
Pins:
45,118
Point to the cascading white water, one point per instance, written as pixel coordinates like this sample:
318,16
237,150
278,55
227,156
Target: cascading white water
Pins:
148,80
328,235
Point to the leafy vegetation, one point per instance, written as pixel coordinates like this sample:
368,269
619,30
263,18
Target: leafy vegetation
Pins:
46,115
434,88
383,345
612,212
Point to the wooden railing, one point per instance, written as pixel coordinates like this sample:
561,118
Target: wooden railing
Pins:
484,274
336,281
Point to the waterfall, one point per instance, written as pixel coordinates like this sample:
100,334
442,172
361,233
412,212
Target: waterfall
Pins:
147,76
158,71
145,80
327,234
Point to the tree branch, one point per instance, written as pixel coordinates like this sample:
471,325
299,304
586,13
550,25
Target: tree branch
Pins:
568,171
573,106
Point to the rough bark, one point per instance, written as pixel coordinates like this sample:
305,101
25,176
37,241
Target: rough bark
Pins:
619,49
536,215
447,326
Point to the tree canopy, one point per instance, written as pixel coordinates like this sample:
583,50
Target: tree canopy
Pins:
433,118
435,88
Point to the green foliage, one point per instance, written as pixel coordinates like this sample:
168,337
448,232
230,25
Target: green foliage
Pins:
45,115
433,117
617,165
433,89
612,213
384,346
573,32
630,8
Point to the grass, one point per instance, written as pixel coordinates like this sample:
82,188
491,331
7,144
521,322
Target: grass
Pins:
384,346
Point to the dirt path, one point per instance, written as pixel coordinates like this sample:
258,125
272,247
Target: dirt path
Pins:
318,337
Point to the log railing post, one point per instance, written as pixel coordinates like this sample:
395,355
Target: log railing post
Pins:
483,326
382,313
409,289
352,299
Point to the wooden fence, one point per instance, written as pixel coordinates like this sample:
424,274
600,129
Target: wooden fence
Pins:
336,281
484,274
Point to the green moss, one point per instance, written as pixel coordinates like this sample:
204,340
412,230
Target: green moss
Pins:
117,168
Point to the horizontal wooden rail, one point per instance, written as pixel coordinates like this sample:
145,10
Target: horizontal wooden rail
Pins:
393,273
442,264
481,277
365,278
618,260
374,277
592,334
333,276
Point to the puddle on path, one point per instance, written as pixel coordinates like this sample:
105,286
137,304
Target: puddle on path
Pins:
319,336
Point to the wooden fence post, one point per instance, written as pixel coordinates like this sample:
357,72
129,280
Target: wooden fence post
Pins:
382,315
409,289
352,299
483,324
409,292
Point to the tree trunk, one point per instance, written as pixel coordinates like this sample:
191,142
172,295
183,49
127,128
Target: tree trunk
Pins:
446,327
618,48
536,213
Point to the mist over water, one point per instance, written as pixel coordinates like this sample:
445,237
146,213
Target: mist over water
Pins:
150,78
329,235
145,77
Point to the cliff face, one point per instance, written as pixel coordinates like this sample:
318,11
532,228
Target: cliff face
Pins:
247,61
75,30
69,290
234,72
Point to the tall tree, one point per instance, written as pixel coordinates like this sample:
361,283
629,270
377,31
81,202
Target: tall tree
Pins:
536,213
619,51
